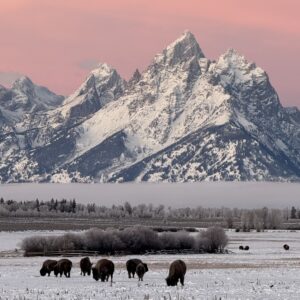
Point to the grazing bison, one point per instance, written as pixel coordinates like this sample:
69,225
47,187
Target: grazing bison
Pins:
131,265
63,266
103,269
141,269
85,266
48,267
241,247
286,247
246,248
176,272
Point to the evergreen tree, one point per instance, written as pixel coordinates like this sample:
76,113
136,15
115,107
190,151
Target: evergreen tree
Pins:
293,213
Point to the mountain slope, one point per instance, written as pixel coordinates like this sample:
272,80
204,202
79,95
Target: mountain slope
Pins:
185,118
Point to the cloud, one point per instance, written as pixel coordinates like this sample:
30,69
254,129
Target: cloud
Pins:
88,64
8,78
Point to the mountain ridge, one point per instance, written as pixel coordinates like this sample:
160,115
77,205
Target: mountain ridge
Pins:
184,118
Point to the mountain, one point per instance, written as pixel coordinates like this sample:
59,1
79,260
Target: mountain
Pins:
27,97
185,118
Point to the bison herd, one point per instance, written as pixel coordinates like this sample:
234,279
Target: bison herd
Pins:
246,248
285,247
104,269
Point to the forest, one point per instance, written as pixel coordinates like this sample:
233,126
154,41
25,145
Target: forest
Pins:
240,219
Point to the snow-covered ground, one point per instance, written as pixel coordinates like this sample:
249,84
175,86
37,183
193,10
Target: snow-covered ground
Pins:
11,240
265,272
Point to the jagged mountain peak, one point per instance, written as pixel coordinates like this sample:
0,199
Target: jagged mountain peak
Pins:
102,86
23,84
25,96
23,80
135,77
232,68
181,50
103,70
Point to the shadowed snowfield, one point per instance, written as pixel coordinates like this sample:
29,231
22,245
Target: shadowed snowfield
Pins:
265,272
206,194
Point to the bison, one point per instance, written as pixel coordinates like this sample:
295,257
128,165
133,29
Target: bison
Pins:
103,269
241,247
131,265
246,248
176,272
85,266
286,247
63,266
48,267
141,269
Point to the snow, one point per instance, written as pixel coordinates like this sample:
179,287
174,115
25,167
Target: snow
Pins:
11,240
266,271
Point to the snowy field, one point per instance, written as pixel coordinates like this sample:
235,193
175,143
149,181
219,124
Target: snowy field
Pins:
264,272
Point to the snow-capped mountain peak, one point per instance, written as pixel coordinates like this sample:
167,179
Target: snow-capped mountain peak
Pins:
102,86
25,97
183,49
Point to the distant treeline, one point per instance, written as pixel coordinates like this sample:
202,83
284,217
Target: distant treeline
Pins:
133,240
243,219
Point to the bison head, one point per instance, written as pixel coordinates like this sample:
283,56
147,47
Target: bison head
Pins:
170,281
95,274
146,267
43,271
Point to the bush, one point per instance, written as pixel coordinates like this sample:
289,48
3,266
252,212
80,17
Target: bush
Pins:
139,239
212,240
135,240
177,240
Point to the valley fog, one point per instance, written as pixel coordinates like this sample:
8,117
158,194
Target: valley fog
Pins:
206,194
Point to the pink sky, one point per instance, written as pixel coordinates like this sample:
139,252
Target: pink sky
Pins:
56,42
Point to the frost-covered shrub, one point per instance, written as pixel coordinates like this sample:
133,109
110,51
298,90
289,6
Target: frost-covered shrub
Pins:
212,240
177,240
103,241
135,240
139,239
36,244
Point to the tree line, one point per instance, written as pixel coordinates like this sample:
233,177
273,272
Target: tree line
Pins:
242,219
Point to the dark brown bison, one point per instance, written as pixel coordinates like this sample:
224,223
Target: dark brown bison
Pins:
286,247
48,267
85,266
246,248
176,272
241,247
63,266
103,269
141,269
131,265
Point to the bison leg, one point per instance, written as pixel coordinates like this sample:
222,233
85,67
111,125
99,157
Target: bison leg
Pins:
129,275
182,280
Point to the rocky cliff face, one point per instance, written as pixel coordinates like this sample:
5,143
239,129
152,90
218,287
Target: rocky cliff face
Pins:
185,118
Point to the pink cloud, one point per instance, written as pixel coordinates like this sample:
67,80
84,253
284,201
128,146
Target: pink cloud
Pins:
52,40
